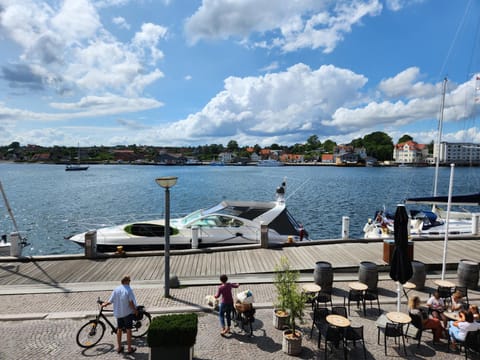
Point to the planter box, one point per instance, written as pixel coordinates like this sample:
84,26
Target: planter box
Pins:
171,352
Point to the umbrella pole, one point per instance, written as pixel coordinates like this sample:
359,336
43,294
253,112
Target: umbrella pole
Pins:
399,296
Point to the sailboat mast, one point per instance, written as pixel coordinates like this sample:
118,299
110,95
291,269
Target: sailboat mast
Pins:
439,137
9,209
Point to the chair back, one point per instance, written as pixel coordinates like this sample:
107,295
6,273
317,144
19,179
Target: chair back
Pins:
393,330
354,333
340,310
472,340
416,320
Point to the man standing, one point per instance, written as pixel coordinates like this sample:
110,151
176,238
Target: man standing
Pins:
124,310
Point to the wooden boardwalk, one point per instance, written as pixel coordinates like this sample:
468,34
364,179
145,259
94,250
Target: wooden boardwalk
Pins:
212,263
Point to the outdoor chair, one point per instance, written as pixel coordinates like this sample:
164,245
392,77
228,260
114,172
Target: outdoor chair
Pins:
340,310
319,315
392,330
417,324
334,336
323,297
355,296
445,293
470,344
372,295
355,334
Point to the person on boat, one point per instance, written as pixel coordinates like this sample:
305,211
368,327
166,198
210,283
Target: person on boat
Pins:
226,304
458,329
124,310
427,322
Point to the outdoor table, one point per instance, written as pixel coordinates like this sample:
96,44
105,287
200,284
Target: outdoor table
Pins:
358,286
444,283
399,317
310,291
338,320
451,315
409,286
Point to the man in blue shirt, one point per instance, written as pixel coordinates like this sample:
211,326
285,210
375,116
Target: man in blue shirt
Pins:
124,310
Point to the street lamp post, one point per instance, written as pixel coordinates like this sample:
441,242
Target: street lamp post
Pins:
167,183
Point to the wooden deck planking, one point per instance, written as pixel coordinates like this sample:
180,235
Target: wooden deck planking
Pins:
230,262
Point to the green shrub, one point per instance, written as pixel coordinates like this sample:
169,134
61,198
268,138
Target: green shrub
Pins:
173,330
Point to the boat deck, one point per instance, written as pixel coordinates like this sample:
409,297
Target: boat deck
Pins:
51,270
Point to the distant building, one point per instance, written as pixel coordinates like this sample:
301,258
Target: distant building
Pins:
410,152
458,153
327,158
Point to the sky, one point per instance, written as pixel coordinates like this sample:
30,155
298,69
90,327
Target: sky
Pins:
188,73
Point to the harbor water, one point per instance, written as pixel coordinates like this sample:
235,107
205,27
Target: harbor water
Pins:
50,203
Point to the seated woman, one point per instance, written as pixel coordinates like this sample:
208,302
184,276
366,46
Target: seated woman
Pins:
458,329
436,306
457,301
427,322
474,310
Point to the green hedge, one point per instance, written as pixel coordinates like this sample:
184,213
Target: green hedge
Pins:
173,330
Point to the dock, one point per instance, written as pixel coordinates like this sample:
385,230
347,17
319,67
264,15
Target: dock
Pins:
209,263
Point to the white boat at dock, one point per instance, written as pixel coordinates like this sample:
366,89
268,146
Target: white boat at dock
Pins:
227,223
270,163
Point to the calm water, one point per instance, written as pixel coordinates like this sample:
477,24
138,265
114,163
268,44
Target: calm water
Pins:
50,203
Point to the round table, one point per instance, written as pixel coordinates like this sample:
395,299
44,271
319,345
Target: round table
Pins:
357,285
311,288
399,317
451,315
407,287
444,283
338,320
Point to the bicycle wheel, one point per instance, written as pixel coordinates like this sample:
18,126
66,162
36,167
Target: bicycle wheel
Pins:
140,327
90,334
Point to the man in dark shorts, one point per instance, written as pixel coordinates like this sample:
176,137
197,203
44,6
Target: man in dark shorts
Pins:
124,310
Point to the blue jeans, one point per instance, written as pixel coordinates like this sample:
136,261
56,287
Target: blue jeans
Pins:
225,311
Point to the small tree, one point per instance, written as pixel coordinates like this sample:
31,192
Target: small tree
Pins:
289,296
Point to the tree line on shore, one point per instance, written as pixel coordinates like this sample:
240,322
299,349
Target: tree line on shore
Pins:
377,144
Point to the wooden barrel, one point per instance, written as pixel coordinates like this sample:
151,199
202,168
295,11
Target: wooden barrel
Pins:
467,274
419,275
368,274
323,275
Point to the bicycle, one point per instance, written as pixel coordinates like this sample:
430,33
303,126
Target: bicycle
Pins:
92,332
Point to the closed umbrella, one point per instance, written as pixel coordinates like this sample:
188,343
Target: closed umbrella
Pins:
401,266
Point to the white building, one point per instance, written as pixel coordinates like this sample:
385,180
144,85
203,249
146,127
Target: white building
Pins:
458,153
410,153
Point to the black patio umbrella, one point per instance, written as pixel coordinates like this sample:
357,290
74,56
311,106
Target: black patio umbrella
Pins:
401,266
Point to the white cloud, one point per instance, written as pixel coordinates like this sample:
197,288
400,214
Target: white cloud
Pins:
300,24
121,22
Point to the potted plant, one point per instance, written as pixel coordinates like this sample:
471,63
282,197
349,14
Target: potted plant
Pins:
172,336
292,338
283,280
290,303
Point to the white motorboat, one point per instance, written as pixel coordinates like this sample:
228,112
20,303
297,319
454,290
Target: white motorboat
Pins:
270,163
227,223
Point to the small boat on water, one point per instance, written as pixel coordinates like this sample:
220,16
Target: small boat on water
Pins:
227,223
76,167
270,163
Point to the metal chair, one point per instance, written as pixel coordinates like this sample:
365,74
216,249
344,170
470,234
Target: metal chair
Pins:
418,325
323,297
334,336
445,293
392,330
372,295
340,310
319,315
355,296
354,334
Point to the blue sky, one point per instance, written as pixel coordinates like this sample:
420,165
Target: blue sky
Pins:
177,72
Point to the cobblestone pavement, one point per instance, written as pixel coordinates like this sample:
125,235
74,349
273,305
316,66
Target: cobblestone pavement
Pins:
38,326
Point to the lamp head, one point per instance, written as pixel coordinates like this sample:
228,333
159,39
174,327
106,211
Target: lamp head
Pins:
167,181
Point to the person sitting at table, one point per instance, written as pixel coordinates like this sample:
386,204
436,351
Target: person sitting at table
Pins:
427,322
458,329
457,301
436,305
474,309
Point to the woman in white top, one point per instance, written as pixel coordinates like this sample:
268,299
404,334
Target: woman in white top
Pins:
458,329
